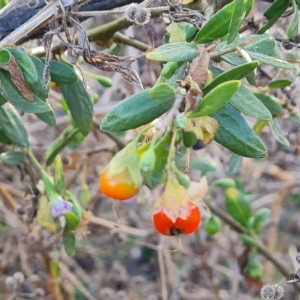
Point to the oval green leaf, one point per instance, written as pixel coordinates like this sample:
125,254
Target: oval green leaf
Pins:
11,158
278,134
212,225
162,92
80,105
260,217
215,99
26,65
246,102
216,27
237,206
270,103
59,144
271,61
235,73
69,241
235,134
5,57
12,125
293,26
189,139
279,83
174,52
47,117
237,17
273,13
137,110
62,73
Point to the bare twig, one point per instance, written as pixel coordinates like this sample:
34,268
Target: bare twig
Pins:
112,225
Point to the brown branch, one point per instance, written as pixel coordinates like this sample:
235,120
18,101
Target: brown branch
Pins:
14,19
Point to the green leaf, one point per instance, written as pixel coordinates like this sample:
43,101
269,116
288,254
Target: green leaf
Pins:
177,32
249,4
254,268
235,73
72,221
215,99
271,61
293,26
273,13
26,65
5,57
212,225
161,150
103,80
247,240
189,139
260,217
278,134
235,134
216,27
178,74
12,95
59,144
169,69
224,183
237,206
11,158
162,92
257,43
62,73
69,241
137,110
237,17
12,125
4,139
80,105
38,87
270,103
235,163
279,83
47,117
246,102
175,52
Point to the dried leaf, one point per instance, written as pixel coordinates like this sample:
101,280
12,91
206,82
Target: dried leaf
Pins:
199,66
198,190
17,78
44,216
203,127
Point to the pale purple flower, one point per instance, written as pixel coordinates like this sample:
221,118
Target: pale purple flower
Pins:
60,207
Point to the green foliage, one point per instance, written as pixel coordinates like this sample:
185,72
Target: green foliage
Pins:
137,110
12,126
80,105
217,26
235,134
237,206
11,158
215,99
175,52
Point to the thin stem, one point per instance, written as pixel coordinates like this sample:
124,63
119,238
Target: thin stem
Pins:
260,246
214,55
116,11
171,155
